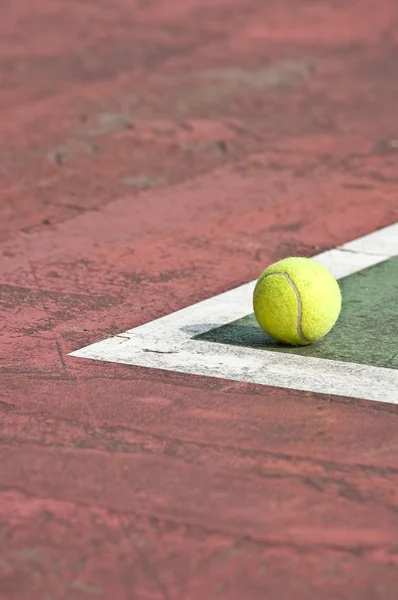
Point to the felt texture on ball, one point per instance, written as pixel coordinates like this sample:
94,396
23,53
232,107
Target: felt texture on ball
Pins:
297,301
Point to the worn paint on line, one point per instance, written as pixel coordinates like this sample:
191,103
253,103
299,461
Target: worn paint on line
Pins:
171,342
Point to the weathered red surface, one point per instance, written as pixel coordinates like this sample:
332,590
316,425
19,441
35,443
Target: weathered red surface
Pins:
263,130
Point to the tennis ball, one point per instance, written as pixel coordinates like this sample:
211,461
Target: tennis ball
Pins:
297,301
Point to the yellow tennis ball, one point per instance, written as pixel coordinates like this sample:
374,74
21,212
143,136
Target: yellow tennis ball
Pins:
297,301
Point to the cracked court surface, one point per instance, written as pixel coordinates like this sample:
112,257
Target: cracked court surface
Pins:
155,155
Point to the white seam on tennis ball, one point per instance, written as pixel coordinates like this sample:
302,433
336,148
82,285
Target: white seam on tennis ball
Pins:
299,303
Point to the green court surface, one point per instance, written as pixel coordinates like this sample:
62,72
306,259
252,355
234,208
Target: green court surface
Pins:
366,332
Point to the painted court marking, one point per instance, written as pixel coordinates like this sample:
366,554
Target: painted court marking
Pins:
168,343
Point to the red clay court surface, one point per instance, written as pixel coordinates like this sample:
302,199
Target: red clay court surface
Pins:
154,154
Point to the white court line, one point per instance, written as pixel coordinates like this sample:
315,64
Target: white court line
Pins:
167,343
